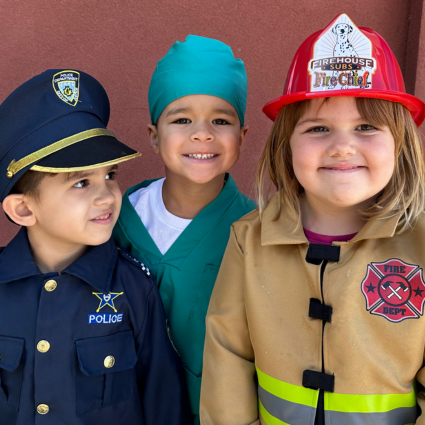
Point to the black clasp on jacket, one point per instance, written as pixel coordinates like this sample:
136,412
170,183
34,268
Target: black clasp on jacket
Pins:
319,311
316,253
318,380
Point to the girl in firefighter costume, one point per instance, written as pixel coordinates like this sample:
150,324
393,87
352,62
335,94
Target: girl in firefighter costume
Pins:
317,314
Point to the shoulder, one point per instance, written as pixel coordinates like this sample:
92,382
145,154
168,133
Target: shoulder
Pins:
416,232
134,261
247,228
132,276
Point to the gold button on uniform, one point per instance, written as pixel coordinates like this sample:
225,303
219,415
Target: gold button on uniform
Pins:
50,285
109,361
43,409
43,346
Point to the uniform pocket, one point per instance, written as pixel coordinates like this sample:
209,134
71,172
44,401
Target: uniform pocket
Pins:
11,368
209,276
106,370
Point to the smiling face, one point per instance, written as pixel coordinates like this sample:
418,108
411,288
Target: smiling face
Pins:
339,158
199,138
76,210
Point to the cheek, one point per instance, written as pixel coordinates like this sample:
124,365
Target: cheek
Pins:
171,144
305,159
381,159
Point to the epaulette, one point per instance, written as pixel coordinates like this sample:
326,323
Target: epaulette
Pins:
133,261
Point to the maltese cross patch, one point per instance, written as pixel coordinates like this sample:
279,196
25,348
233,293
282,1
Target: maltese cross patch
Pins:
394,289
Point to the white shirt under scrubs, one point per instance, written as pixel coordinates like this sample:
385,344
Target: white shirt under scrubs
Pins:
163,227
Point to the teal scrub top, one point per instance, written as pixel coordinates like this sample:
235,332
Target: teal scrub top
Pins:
187,272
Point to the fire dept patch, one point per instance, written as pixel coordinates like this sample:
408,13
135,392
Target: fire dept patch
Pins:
394,289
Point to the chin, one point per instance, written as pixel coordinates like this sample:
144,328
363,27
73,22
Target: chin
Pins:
345,201
98,239
201,179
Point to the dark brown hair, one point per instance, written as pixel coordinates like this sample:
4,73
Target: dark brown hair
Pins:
29,183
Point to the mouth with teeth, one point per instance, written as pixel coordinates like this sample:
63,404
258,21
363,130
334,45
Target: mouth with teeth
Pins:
103,219
201,156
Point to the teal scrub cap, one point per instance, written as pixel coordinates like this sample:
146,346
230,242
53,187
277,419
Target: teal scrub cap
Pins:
198,66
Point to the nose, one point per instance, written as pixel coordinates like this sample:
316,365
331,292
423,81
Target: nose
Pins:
105,196
342,31
341,145
202,133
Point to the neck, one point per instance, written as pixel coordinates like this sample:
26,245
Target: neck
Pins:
51,255
185,198
329,220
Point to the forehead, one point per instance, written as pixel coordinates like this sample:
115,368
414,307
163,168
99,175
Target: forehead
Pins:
340,107
199,103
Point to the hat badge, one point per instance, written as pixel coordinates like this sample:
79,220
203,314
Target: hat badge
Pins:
67,86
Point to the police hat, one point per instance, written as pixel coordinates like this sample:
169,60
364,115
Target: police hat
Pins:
56,122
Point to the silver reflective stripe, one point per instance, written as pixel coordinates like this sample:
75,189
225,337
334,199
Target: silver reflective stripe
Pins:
400,416
286,411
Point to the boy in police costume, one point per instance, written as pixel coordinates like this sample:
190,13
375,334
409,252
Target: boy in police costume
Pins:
83,336
179,225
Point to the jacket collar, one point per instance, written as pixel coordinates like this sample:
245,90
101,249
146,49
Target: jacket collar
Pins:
284,231
95,266
16,260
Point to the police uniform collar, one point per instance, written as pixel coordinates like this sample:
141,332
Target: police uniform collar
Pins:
95,266
16,261
284,230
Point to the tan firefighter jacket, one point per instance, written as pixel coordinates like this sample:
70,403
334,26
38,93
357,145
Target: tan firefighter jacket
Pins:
266,336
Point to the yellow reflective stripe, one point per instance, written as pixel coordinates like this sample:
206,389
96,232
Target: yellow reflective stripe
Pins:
290,392
368,403
268,418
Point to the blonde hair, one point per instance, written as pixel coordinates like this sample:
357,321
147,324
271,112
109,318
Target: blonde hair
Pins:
404,193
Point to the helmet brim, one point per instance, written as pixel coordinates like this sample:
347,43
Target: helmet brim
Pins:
412,103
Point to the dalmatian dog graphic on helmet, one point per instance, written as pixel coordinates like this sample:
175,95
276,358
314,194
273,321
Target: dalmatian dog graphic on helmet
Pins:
343,46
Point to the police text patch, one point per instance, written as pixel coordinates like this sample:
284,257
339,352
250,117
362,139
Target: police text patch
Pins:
104,318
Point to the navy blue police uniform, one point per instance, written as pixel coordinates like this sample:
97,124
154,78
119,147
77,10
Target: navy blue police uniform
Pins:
88,345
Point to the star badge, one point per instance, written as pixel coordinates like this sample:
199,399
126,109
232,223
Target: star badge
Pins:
107,299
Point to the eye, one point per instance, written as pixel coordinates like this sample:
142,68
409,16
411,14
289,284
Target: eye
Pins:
366,127
112,175
220,121
318,129
81,183
182,121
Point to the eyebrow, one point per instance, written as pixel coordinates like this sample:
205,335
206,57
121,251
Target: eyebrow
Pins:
226,112
87,173
311,120
176,111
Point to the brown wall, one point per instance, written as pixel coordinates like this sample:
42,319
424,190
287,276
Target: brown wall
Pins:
119,42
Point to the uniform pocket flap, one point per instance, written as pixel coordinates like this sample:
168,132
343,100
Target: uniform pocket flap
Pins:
106,354
10,352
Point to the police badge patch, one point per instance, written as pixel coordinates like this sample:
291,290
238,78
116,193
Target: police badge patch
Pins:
106,300
67,86
394,289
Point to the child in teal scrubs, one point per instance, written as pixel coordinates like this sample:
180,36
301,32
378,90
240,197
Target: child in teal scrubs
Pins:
178,226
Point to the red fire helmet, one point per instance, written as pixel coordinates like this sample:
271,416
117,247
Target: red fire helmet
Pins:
344,60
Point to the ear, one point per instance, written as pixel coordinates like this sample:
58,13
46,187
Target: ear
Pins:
153,137
351,29
16,207
334,29
244,131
